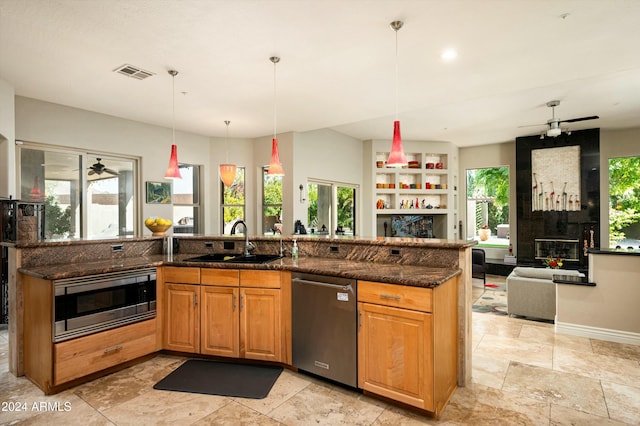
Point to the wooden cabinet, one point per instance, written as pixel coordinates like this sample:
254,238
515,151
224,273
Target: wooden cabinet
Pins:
230,313
260,327
407,342
182,318
219,320
85,355
54,366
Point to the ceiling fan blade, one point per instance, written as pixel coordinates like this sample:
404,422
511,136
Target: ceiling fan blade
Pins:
91,172
573,120
532,125
112,172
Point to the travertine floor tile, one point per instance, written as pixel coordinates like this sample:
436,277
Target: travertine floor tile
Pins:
236,414
70,410
569,390
563,416
619,350
320,406
165,408
623,402
602,367
489,371
481,405
494,325
545,333
287,385
514,349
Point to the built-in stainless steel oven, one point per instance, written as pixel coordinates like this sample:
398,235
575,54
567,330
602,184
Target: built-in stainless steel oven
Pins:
87,305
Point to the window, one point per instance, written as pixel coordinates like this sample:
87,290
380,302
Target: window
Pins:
187,217
329,204
233,201
271,202
624,202
86,195
488,206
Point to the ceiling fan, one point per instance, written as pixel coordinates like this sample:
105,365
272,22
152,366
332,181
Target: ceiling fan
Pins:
554,124
99,168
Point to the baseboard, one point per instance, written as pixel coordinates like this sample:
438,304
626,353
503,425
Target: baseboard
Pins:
598,333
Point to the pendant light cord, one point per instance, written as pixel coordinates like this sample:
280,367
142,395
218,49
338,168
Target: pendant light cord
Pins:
275,60
396,29
173,74
226,141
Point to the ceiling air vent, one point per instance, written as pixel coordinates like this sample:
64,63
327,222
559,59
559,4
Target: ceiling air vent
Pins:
131,71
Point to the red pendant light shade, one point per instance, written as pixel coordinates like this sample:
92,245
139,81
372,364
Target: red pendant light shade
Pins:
275,167
396,156
173,171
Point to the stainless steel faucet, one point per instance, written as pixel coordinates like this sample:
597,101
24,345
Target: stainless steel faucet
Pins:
248,245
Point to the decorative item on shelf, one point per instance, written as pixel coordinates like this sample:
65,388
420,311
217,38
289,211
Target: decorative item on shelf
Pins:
379,164
552,262
275,167
380,204
227,170
414,164
157,225
439,165
427,185
396,156
173,171
429,166
484,233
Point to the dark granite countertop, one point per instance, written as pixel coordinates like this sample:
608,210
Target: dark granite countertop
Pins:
419,276
621,251
572,279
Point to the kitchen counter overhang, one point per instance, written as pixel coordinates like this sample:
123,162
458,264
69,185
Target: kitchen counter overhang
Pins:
411,275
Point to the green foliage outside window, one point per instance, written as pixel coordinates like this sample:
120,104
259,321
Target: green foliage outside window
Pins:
624,199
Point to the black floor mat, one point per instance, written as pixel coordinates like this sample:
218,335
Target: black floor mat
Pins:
221,378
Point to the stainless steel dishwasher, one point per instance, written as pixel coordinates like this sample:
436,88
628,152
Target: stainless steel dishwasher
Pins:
324,327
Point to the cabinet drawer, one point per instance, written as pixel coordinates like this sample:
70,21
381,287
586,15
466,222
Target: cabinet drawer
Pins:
222,277
85,355
399,296
263,279
175,274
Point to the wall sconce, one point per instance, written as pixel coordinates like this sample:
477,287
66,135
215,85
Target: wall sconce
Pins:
302,199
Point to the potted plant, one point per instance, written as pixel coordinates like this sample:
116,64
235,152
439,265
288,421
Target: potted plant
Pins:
484,233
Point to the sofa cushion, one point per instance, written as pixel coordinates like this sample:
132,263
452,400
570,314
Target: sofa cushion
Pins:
543,273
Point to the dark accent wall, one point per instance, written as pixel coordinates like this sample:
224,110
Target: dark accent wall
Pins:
558,224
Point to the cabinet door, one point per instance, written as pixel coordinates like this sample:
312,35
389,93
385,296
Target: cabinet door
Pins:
260,328
395,357
219,321
182,319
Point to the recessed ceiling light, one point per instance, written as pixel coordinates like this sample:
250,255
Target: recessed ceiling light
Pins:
449,54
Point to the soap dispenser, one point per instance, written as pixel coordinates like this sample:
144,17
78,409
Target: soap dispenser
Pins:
294,250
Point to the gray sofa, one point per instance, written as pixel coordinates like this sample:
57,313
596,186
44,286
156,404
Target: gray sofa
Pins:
532,293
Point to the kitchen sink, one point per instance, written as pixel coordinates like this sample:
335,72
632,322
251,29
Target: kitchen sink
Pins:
228,258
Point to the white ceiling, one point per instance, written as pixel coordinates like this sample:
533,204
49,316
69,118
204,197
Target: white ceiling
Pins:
337,66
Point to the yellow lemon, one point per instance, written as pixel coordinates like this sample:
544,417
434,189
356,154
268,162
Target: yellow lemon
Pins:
148,221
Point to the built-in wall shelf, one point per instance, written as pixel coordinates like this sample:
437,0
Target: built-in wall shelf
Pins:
426,187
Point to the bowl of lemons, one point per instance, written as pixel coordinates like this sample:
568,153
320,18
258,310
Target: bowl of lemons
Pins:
157,225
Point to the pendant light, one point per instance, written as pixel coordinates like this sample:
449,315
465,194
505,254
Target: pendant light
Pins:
396,156
227,170
275,167
173,171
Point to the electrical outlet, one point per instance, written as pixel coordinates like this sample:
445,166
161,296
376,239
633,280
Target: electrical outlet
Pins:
395,252
333,249
117,248
208,244
229,245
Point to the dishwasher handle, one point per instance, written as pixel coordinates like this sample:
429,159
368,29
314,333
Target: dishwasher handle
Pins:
321,284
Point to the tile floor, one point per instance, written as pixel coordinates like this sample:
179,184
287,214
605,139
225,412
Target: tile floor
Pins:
523,374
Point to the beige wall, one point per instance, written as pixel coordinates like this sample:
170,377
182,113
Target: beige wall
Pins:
610,309
7,139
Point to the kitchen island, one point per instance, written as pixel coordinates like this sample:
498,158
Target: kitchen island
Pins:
427,264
